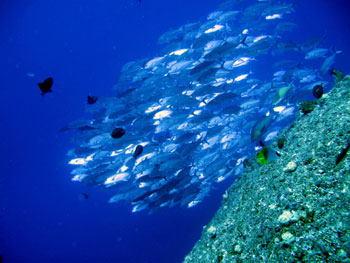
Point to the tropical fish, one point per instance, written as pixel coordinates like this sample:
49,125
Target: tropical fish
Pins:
117,133
266,155
317,91
45,86
84,196
138,150
281,94
261,127
91,99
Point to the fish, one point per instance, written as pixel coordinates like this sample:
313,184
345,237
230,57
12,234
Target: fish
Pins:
281,94
84,196
143,196
328,63
316,53
191,115
267,155
46,85
261,127
286,46
312,43
91,99
138,151
317,91
221,50
285,26
202,66
118,133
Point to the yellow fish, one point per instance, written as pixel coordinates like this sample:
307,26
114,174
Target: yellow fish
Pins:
266,155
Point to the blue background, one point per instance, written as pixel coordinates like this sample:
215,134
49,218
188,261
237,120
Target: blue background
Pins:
83,44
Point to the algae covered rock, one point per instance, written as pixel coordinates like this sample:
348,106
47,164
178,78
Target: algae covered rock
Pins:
288,216
295,209
307,106
291,167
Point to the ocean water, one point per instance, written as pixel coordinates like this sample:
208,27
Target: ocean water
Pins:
83,46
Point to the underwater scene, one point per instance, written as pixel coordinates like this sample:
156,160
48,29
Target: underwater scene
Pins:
175,131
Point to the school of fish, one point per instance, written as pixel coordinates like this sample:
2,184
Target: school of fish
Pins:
188,118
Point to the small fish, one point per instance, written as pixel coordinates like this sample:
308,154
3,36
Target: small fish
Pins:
45,86
316,53
328,63
281,94
117,133
91,99
341,156
138,151
143,196
285,26
267,155
261,127
312,43
84,196
317,91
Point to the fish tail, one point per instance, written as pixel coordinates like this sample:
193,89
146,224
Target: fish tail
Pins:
243,41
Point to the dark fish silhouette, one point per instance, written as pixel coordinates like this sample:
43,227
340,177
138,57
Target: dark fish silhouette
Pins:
91,99
138,150
85,195
118,133
45,86
143,196
317,91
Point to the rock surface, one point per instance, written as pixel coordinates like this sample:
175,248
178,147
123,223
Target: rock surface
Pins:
295,209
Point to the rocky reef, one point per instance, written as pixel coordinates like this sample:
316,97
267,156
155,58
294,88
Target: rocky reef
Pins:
295,209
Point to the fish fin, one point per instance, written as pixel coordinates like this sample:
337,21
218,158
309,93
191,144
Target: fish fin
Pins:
243,41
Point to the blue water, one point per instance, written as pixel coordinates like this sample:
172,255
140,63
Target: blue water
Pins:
83,46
